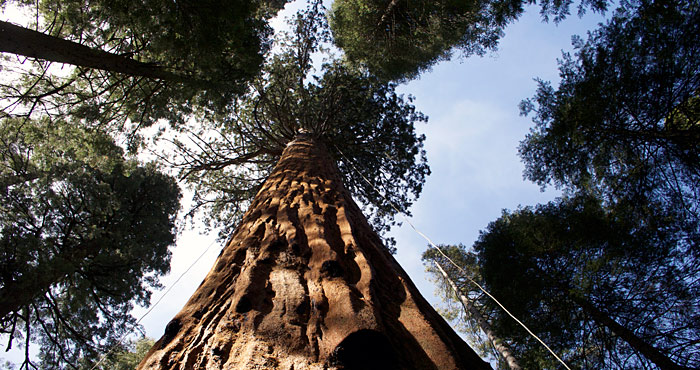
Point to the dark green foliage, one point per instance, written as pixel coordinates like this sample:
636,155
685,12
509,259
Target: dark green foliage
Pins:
554,265
346,108
609,276
399,39
214,46
623,123
84,234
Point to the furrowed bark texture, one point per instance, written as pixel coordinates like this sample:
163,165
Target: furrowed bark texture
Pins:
304,283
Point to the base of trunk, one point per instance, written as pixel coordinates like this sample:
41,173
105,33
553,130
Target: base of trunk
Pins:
305,283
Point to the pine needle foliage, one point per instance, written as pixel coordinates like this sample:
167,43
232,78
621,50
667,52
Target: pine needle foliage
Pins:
367,128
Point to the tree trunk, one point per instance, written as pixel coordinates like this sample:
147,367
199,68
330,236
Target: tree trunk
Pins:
502,349
23,41
647,350
304,283
387,11
20,292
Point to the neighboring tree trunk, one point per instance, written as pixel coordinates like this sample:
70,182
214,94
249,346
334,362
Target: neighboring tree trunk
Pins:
304,283
23,41
646,349
502,349
387,12
20,292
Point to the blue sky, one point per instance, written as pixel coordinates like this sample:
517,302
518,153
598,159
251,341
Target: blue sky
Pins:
472,137
473,133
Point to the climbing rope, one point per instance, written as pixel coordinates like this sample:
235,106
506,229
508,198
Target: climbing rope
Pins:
135,326
464,273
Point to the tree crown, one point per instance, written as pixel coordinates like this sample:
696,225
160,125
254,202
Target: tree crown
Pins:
398,39
348,109
84,234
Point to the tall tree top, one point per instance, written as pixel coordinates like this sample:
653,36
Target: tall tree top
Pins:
348,109
399,39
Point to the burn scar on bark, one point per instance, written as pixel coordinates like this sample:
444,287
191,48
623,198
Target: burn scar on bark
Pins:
331,269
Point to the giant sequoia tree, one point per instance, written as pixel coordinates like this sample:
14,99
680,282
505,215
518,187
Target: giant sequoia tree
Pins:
225,160
305,282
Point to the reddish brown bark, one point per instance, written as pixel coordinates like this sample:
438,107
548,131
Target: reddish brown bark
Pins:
304,283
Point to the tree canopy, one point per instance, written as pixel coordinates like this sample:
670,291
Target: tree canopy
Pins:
86,229
623,123
399,39
596,285
212,48
606,275
618,297
225,160
84,235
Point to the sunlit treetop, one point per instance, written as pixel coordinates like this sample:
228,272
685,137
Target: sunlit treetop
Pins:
399,39
344,107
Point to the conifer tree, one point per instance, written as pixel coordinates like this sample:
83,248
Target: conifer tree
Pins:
615,298
358,117
450,267
597,285
84,235
623,123
399,39
304,282
131,63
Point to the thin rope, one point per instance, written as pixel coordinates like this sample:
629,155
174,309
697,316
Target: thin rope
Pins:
451,261
121,339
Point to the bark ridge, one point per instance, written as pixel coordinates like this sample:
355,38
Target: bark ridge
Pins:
304,283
